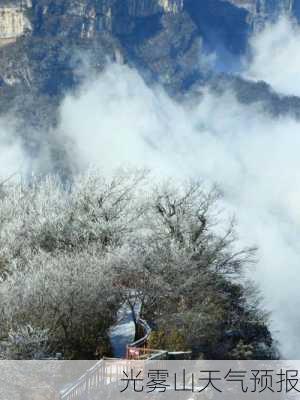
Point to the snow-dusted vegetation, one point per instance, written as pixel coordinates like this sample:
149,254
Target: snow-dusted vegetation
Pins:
71,254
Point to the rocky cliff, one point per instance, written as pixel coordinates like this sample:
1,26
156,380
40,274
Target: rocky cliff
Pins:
165,37
261,11
13,21
157,35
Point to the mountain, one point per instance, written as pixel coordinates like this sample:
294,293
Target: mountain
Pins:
43,42
267,9
40,39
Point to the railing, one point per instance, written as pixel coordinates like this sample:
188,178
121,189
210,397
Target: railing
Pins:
99,375
144,353
138,347
92,378
102,373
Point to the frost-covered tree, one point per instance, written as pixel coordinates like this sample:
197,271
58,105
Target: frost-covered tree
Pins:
72,254
185,269
68,294
57,244
26,343
194,252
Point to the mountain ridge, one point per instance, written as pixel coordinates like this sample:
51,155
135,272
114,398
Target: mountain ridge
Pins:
168,41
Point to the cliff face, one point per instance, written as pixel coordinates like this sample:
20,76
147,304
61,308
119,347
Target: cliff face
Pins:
166,39
13,21
88,17
269,10
157,35
264,6
262,11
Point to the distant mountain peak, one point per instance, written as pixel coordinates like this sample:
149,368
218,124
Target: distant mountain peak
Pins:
266,7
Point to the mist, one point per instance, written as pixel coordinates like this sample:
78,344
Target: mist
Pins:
275,56
115,119
12,157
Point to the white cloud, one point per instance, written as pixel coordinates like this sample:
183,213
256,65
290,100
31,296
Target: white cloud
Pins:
116,120
12,157
275,55
254,157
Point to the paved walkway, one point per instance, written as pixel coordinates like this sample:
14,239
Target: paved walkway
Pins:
123,332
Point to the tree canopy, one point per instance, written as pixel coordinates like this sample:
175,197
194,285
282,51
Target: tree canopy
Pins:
70,255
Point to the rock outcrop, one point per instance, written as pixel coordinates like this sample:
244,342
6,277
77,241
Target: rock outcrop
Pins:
262,11
13,21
